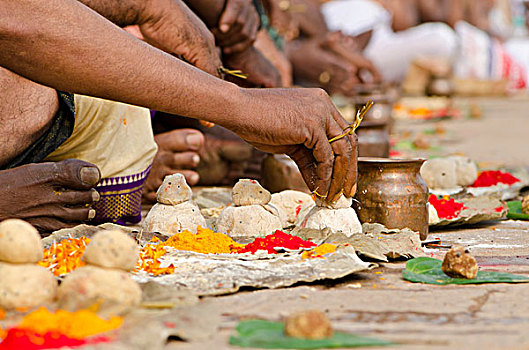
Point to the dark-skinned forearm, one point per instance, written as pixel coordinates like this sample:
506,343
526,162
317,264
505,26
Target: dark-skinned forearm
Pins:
65,45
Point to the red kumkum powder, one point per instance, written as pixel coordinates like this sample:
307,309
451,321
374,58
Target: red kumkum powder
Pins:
27,340
278,239
446,208
494,177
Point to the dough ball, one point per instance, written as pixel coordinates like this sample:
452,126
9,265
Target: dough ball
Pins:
311,324
20,242
112,249
291,203
525,205
337,220
89,284
466,170
458,263
174,190
433,217
26,286
439,173
247,222
249,192
341,203
171,219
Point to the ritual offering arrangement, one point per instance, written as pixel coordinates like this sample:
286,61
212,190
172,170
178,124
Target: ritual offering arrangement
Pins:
458,263
516,210
175,211
312,324
464,210
338,217
249,210
109,258
430,271
290,204
304,330
23,283
449,172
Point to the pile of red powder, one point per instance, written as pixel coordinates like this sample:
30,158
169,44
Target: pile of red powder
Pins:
25,339
278,239
446,208
494,177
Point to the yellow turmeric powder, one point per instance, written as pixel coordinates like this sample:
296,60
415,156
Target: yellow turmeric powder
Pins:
319,251
77,325
204,241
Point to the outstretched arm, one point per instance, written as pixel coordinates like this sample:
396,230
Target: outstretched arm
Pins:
64,44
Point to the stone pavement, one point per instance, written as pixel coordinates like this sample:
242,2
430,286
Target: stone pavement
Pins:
381,304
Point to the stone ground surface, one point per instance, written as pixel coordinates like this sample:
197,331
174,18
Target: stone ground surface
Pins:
381,304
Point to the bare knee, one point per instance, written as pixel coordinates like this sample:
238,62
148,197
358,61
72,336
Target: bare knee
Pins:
26,111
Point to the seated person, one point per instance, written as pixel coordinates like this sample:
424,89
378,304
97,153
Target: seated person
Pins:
398,37
37,119
319,57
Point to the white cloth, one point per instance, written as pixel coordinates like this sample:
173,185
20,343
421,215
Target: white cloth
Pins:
391,52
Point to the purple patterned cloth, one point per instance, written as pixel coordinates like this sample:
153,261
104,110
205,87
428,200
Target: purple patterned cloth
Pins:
120,201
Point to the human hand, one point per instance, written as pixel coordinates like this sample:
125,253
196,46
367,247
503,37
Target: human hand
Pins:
281,18
277,58
318,67
237,27
346,47
260,71
299,123
172,27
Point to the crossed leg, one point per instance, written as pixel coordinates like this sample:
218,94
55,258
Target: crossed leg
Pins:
48,195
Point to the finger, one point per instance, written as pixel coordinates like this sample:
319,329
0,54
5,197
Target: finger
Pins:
63,213
238,47
229,16
352,169
324,157
232,37
183,160
73,174
191,176
75,198
342,153
180,140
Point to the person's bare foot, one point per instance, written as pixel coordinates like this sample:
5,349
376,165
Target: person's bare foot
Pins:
50,196
177,153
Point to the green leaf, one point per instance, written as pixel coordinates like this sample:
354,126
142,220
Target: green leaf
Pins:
515,211
270,335
428,270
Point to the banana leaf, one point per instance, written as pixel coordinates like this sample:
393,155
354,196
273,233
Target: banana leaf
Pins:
515,211
428,270
270,335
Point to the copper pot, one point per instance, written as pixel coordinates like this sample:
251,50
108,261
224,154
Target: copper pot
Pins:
373,139
392,192
280,172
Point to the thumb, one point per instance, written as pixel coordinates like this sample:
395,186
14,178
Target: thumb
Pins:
229,15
